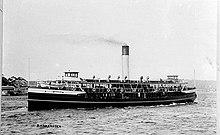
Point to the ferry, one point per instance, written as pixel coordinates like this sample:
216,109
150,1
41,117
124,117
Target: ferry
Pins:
90,93
71,91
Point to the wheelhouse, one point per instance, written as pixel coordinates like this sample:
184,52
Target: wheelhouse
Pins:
71,74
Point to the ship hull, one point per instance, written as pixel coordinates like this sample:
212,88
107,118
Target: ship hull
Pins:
61,100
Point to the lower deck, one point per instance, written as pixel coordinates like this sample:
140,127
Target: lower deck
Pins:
48,100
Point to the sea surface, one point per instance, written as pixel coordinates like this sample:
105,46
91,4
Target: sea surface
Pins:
198,118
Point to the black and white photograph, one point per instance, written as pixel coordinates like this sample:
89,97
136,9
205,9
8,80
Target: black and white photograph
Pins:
109,67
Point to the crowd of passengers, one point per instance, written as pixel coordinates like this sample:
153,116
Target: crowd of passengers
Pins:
141,89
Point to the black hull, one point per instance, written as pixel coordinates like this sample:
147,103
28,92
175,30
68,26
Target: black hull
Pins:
39,101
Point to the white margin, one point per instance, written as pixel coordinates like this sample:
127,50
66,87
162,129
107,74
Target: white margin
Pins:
1,51
218,67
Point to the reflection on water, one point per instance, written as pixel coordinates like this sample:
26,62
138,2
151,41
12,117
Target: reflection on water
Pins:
194,119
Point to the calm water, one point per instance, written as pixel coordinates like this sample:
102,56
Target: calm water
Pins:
195,119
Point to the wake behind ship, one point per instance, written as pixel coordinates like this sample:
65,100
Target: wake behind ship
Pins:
74,92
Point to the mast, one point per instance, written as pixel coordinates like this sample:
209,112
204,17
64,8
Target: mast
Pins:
29,71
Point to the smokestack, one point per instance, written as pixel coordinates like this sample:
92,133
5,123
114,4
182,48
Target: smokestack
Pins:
125,62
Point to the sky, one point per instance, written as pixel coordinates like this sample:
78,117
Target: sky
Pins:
44,38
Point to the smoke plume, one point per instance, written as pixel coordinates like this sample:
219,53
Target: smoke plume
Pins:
112,41
80,39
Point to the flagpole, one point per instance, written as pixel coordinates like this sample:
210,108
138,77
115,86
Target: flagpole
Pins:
194,79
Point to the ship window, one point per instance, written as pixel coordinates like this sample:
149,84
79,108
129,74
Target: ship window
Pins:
74,75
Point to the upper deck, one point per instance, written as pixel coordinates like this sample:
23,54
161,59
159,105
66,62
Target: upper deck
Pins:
71,78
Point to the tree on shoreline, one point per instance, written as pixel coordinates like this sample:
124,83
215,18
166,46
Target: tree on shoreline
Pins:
17,82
